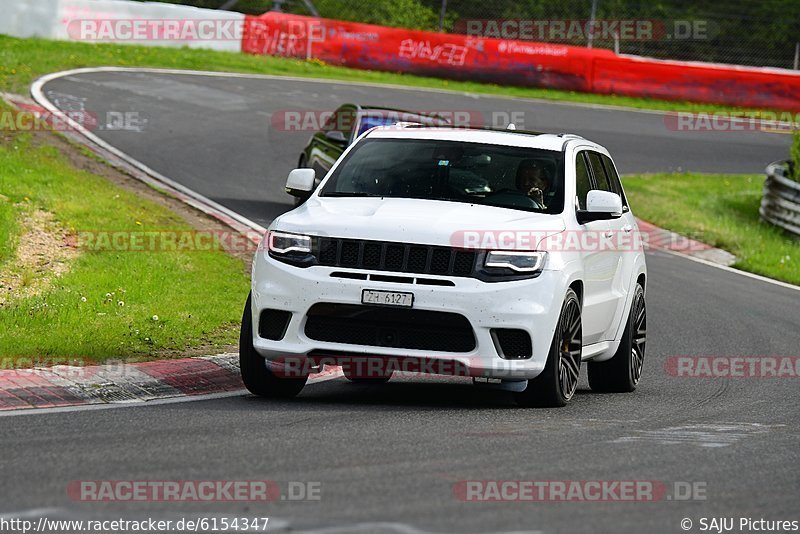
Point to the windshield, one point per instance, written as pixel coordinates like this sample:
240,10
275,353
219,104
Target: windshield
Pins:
510,177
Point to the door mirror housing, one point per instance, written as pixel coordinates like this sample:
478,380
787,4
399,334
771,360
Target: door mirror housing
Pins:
300,182
600,205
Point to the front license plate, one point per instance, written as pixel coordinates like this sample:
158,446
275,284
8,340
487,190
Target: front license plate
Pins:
387,298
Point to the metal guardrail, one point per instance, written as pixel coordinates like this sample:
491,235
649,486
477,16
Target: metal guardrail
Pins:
780,204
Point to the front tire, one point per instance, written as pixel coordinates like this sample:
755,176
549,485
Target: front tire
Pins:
557,383
257,376
621,374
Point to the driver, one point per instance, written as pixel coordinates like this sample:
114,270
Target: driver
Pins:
532,182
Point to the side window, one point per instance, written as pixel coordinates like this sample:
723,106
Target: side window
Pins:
583,182
600,177
330,123
346,120
614,177
343,120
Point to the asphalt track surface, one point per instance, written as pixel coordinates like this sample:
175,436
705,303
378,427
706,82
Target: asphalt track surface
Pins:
387,457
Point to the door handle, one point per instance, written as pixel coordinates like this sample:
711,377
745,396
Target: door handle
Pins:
608,235
627,228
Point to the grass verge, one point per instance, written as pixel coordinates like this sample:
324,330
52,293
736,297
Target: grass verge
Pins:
59,301
24,60
721,210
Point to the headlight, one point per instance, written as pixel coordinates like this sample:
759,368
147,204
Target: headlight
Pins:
280,243
521,262
294,249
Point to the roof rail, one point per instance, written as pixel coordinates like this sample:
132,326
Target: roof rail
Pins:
408,124
511,128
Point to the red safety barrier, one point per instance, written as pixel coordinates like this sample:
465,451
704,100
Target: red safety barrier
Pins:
525,63
697,82
373,47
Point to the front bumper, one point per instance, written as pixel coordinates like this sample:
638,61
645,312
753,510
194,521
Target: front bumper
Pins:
532,305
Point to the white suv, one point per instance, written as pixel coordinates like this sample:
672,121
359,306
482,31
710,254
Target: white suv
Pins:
506,256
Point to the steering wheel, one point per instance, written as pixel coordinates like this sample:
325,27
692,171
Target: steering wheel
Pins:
515,196
506,191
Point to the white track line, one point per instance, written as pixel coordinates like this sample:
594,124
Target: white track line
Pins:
39,97
754,276
200,201
125,404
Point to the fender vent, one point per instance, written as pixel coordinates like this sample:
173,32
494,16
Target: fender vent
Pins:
512,343
272,324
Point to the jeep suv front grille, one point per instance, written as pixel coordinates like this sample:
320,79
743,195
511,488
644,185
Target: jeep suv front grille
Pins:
398,257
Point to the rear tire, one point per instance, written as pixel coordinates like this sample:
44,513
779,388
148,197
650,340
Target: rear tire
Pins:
621,374
557,383
257,376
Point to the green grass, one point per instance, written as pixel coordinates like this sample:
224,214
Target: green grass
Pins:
24,60
8,228
197,296
721,210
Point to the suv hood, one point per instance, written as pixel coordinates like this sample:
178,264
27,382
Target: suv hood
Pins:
431,222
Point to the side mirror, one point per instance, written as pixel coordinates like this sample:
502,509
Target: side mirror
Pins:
600,205
300,182
336,136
